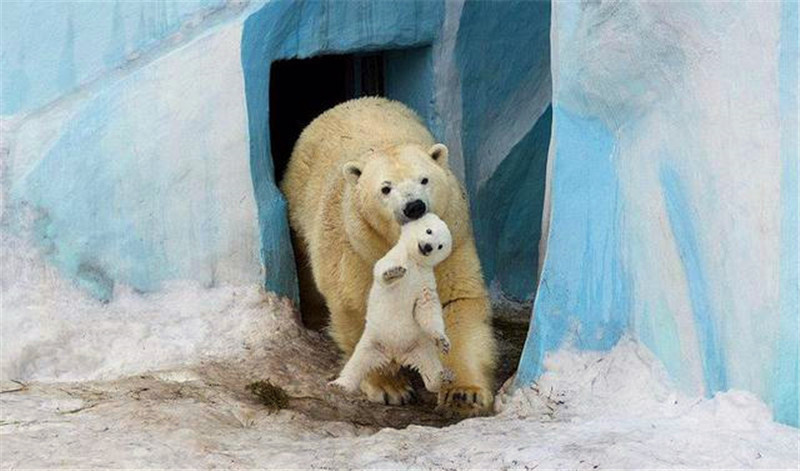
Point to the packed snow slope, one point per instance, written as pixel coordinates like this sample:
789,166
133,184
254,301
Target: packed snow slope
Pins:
588,411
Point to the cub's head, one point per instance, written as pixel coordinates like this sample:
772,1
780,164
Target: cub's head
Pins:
399,185
427,239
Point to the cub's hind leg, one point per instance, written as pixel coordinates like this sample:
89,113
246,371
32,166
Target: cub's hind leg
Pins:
365,359
425,359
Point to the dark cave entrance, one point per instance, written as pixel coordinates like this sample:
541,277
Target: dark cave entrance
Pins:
299,91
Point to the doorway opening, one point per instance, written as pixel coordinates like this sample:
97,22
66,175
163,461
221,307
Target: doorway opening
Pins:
301,89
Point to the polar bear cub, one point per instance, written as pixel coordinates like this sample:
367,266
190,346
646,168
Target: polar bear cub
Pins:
404,321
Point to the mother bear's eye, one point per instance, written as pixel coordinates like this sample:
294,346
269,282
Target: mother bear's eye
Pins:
424,181
385,190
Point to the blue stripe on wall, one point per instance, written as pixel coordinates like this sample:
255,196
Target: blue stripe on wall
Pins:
787,372
679,211
584,293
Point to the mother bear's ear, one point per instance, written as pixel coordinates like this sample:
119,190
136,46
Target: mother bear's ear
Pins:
351,171
439,153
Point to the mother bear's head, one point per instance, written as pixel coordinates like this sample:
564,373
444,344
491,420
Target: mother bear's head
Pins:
389,187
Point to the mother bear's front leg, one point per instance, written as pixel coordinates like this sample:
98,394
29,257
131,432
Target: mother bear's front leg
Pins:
471,359
467,318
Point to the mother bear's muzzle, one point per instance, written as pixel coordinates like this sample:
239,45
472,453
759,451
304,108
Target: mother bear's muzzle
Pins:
415,209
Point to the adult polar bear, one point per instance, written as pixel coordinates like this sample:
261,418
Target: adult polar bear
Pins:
357,172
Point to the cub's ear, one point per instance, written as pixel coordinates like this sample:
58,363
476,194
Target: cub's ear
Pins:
439,153
351,171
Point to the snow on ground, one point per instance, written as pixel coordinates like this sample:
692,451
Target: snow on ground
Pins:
159,380
590,411
54,331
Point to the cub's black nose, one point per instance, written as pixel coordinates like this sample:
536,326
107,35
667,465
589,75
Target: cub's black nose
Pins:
426,249
415,209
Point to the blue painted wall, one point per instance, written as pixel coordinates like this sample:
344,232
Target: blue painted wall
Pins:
50,48
673,193
503,56
409,79
507,215
584,291
144,179
491,81
786,375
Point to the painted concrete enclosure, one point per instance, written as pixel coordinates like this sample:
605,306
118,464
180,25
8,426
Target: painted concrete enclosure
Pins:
506,124
146,237
673,192
667,142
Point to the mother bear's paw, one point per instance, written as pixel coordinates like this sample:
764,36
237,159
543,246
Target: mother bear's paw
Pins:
458,400
388,388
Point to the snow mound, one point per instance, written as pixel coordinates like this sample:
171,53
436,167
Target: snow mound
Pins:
621,410
53,331
589,411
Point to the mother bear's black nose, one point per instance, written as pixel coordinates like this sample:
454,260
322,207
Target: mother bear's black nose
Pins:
415,209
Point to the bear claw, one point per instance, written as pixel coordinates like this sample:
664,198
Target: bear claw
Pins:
443,344
464,401
340,385
393,273
448,376
388,389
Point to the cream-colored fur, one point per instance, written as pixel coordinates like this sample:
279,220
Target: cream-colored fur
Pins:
343,224
404,316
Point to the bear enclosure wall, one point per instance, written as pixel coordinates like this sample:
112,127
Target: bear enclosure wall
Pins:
490,107
139,158
137,165
674,197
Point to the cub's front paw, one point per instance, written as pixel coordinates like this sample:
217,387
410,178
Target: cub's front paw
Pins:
394,273
443,344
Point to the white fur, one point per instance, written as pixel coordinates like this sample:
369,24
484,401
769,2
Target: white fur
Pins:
404,321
